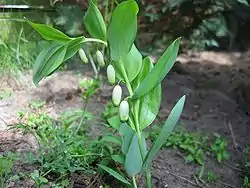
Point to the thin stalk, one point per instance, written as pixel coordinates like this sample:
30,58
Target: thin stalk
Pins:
82,119
128,85
106,11
95,40
18,47
93,66
134,182
137,127
148,179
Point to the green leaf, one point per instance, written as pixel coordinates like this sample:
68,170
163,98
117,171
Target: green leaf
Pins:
131,62
50,33
243,2
162,67
73,47
134,160
114,174
166,131
149,104
48,60
118,158
122,29
94,22
112,139
127,135
114,122
5,165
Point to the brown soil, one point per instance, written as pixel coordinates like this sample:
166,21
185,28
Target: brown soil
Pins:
216,86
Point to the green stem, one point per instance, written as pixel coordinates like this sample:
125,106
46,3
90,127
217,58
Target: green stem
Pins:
93,66
95,40
134,182
125,76
82,119
148,179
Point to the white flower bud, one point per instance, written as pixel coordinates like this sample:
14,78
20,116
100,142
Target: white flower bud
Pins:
111,74
83,56
124,111
117,95
100,59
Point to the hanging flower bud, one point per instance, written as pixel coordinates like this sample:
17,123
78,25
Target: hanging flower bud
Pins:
100,59
83,56
117,95
111,74
124,110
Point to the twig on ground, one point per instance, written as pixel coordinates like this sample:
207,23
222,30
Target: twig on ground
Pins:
233,137
185,179
226,184
234,167
4,121
94,180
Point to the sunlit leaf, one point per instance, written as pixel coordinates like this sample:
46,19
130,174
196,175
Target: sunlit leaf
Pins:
94,22
166,131
73,47
131,62
114,122
122,29
149,104
50,33
162,67
48,60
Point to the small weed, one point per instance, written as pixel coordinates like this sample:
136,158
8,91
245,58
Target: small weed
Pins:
61,150
6,165
192,144
246,167
109,111
38,178
219,149
37,104
246,182
5,94
89,86
211,177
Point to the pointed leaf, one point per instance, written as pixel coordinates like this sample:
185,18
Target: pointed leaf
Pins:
134,159
114,122
166,131
122,29
112,139
73,47
50,33
131,62
127,134
48,61
149,104
94,22
118,158
114,174
162,67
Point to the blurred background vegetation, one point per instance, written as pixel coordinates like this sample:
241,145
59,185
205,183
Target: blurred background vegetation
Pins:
221,25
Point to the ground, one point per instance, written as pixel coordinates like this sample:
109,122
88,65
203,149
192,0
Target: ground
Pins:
216,86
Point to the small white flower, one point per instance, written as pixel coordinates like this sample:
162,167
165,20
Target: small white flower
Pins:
124,110
83,56
111,74
100,59
117,95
